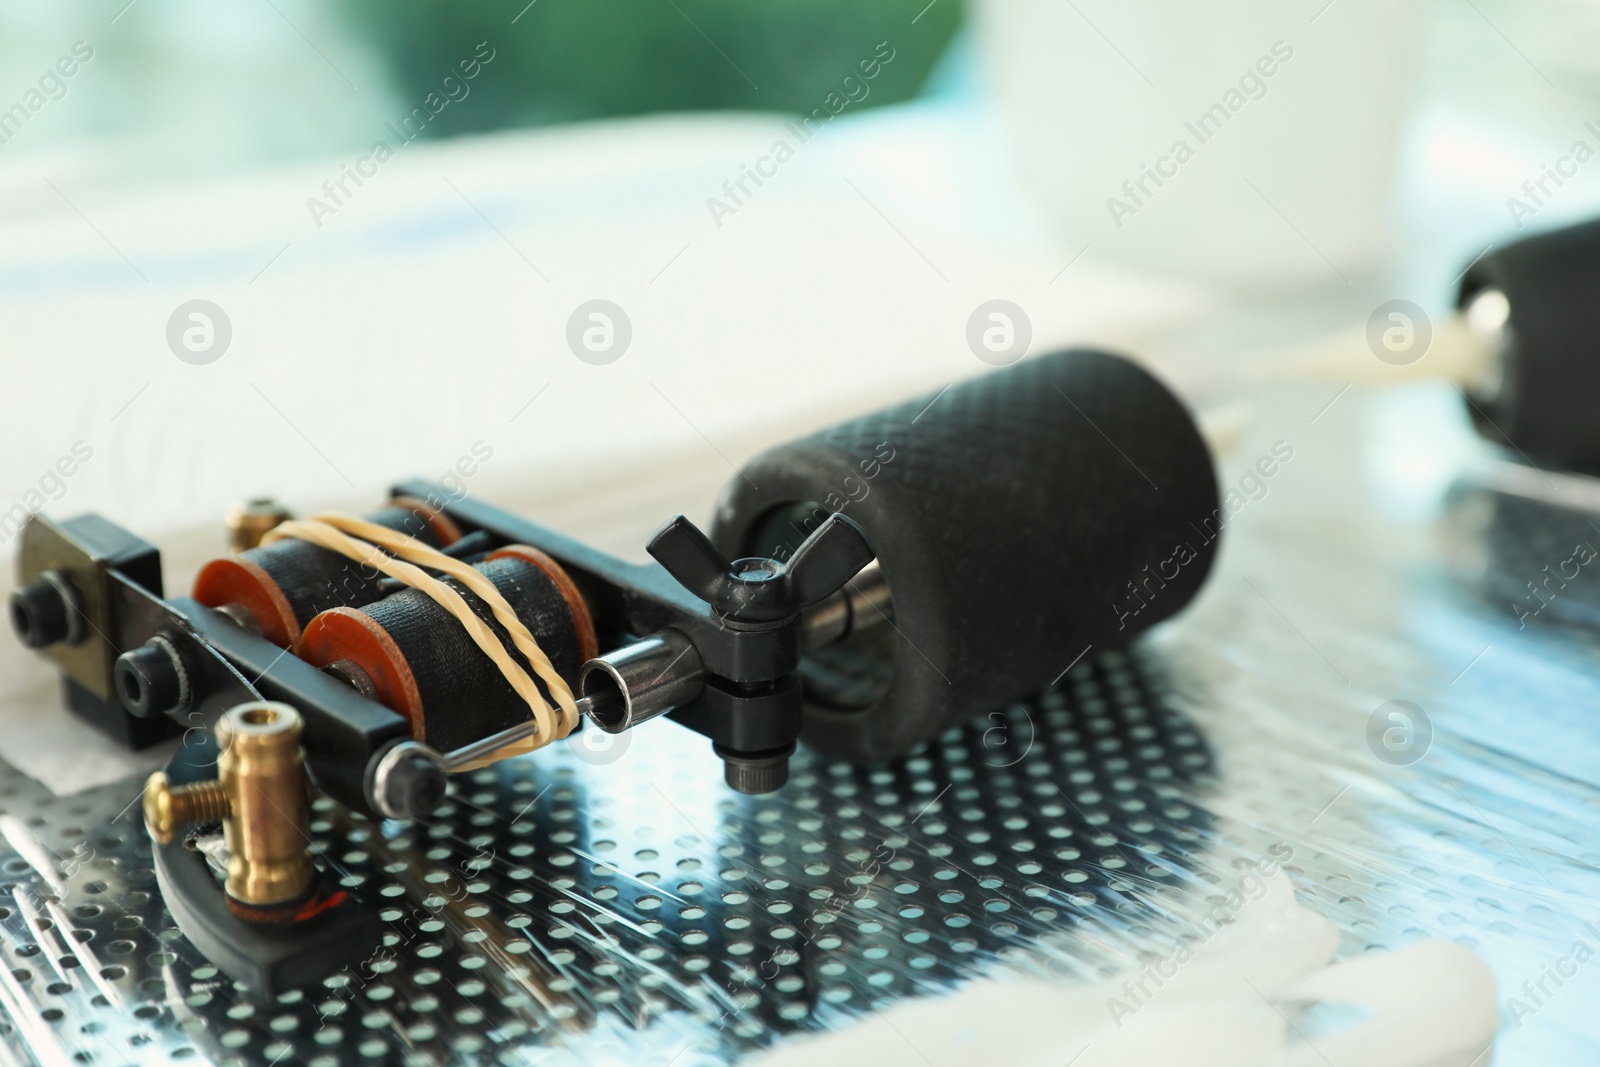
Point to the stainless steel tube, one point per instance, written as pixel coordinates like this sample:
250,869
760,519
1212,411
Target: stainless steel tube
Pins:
640,681
862,603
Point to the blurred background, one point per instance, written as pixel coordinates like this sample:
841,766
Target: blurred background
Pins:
398,208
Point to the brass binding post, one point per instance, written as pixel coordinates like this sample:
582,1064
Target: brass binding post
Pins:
259,797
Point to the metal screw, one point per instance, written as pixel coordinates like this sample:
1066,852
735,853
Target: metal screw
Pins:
168,808
48,612
151,679
754,773
350,673
406,782
249,520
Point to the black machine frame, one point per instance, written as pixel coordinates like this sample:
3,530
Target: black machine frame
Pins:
742,620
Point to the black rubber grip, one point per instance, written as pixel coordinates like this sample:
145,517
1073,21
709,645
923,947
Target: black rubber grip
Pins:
1019,518
1550,380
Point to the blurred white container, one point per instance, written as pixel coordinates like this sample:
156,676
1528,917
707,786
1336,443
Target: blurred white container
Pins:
1245,141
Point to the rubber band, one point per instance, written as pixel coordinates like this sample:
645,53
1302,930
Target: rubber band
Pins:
361,541
333,532
408,548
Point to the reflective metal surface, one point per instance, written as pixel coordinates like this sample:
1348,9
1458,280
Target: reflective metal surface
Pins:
609,900
552,897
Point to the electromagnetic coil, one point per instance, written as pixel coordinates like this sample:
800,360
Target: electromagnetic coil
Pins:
421,663
282,586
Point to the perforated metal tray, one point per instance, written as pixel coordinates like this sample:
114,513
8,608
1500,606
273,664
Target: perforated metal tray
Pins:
592,903
597,888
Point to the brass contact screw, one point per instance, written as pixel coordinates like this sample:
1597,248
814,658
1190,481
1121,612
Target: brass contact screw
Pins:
168,808
249,520
259,796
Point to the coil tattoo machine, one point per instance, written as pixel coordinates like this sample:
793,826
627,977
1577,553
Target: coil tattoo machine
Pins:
861,589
